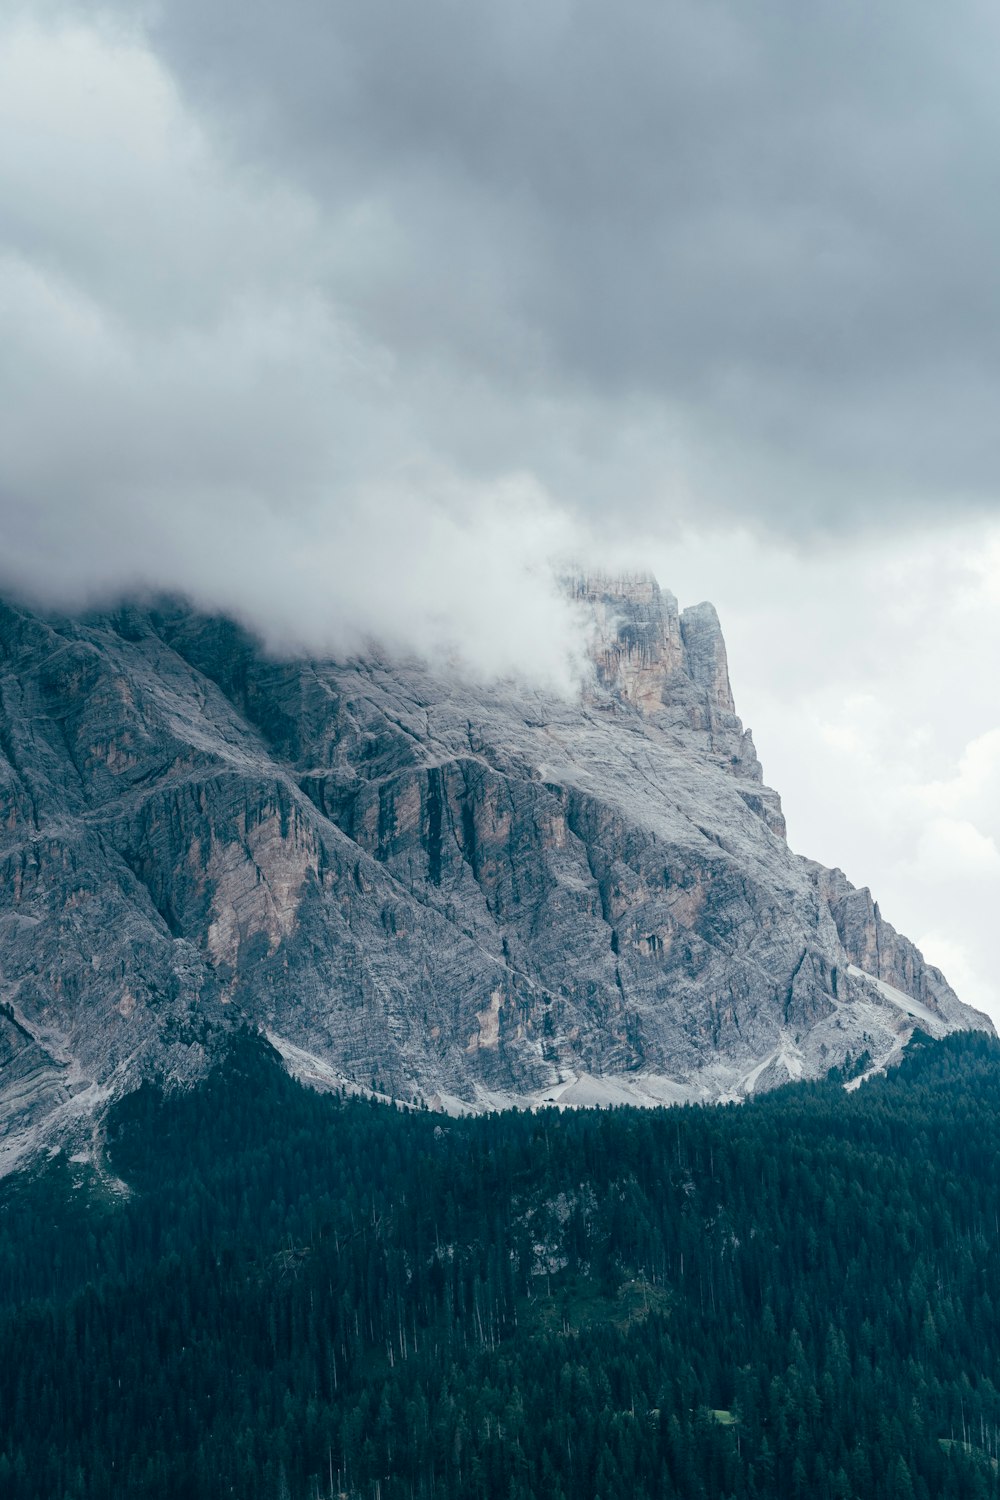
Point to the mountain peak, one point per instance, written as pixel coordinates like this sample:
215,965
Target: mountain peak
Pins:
705,654
415,885
642,643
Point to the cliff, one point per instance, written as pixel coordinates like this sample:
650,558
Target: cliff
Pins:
437,890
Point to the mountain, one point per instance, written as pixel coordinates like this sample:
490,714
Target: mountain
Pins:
415,884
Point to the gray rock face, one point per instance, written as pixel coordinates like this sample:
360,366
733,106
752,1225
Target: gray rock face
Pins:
416,885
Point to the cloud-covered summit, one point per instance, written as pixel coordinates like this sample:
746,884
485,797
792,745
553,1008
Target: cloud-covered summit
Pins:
345,318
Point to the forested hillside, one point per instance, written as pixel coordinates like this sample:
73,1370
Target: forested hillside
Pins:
303,1295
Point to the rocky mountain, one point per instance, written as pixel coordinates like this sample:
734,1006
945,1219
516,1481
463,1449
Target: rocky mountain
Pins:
415,884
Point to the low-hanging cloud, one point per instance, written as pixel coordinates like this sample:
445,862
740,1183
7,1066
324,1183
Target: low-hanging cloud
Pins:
186,407
308,292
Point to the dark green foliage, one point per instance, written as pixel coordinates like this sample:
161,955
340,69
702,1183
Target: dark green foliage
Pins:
306,1295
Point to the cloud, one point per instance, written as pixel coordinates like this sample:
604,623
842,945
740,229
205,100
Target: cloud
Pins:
185,406
974,787
965,975
952,849
762,243
672,264
668,264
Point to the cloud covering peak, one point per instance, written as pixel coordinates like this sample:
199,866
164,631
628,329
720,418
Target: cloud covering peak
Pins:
345,318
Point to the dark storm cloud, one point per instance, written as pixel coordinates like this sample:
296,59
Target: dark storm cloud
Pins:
765,234
343,316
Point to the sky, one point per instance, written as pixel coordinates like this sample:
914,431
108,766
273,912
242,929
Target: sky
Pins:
351,318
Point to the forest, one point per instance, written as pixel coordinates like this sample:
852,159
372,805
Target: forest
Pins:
271,1293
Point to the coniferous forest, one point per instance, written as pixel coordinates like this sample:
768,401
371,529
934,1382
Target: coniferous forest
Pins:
267,1292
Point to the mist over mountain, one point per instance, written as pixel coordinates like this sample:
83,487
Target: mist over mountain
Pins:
341,323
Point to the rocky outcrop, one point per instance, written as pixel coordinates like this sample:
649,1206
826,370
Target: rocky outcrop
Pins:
874,946
416,885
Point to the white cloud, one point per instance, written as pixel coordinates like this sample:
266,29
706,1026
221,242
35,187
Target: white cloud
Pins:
953,849
975,786
963,971
186,406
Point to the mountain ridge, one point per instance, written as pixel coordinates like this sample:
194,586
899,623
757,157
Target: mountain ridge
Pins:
417,885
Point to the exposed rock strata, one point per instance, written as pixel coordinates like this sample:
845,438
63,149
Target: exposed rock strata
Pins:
426,888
